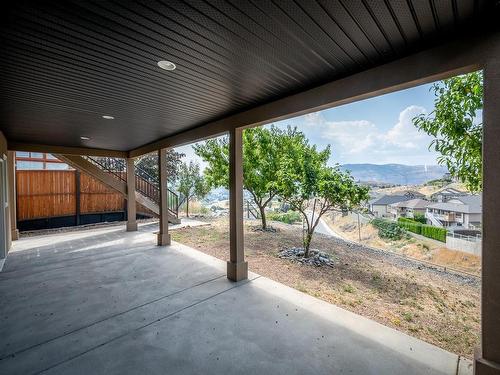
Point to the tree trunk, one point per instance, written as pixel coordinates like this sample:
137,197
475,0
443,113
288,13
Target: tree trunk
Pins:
187,207
307,244
263,217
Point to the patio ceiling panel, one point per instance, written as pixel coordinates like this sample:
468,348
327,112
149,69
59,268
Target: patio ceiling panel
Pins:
65,64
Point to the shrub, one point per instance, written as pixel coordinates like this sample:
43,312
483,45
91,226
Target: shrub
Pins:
417,216
428,231
388,229
410,225
289,217
434,232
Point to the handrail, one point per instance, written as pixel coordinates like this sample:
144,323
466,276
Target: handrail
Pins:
251,209
475,238
110,165
148,186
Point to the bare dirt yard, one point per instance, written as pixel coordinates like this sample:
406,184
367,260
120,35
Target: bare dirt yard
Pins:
432,305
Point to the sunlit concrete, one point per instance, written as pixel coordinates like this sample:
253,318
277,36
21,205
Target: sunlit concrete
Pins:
107,301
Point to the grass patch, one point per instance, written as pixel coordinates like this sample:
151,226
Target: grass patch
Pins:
349,288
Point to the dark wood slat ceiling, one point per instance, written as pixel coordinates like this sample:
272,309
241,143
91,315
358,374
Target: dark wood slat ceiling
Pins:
65,64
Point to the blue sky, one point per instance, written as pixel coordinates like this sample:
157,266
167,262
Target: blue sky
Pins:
377,130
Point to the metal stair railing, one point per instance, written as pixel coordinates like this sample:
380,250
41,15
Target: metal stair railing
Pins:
251,209
148,185
433,219
115,166
145,183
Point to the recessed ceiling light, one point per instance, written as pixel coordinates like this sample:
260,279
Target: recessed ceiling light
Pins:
84,138
107,117
167,65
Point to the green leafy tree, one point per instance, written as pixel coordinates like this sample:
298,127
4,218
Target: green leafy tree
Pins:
263,149
191,183
454,126
311,187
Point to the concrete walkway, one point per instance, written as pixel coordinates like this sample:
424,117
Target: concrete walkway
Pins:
106,301
323,227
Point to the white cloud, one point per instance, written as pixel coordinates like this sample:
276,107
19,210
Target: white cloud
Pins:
352,136
404,134
362,141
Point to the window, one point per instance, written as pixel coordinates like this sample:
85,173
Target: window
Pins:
29,164
56,166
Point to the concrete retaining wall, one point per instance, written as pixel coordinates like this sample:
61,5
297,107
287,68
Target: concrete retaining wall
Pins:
471,247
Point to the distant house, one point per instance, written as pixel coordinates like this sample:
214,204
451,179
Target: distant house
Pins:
412,194
445,194
462,211
408,208
379,207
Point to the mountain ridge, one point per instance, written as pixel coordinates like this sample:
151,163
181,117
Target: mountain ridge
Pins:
398,174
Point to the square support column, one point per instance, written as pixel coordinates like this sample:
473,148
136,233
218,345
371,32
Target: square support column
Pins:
131,205
11,165
487,361
237,268
163,235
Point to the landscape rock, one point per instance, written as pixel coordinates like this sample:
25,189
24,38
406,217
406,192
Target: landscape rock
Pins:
316,257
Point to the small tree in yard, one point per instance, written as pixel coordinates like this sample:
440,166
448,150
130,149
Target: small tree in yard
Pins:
263,149
309,186
191,184
458,136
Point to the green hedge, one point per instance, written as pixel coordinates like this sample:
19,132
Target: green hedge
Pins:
388,229
289,217
434,232
410,225
425,230
417,216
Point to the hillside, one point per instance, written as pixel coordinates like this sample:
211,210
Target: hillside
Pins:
399,174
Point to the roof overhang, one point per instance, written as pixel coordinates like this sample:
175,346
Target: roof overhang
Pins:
67,65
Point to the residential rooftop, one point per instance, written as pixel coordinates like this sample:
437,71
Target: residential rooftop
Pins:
412,203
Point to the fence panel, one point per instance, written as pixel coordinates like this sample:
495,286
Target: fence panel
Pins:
97,197
52,193
45,193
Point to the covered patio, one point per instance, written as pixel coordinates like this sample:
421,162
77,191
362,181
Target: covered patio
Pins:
105,301
122,79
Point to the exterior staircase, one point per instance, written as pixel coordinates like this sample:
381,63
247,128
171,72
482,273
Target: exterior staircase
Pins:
252,211
433,219
112,172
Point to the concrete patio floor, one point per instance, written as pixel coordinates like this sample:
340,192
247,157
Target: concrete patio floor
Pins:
105,301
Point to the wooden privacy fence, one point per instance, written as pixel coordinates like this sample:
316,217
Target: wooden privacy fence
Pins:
52,193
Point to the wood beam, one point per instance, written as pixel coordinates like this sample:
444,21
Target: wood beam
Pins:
462,56
11,165
78,197
163,235
131,204
63,150
487,359
237,268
